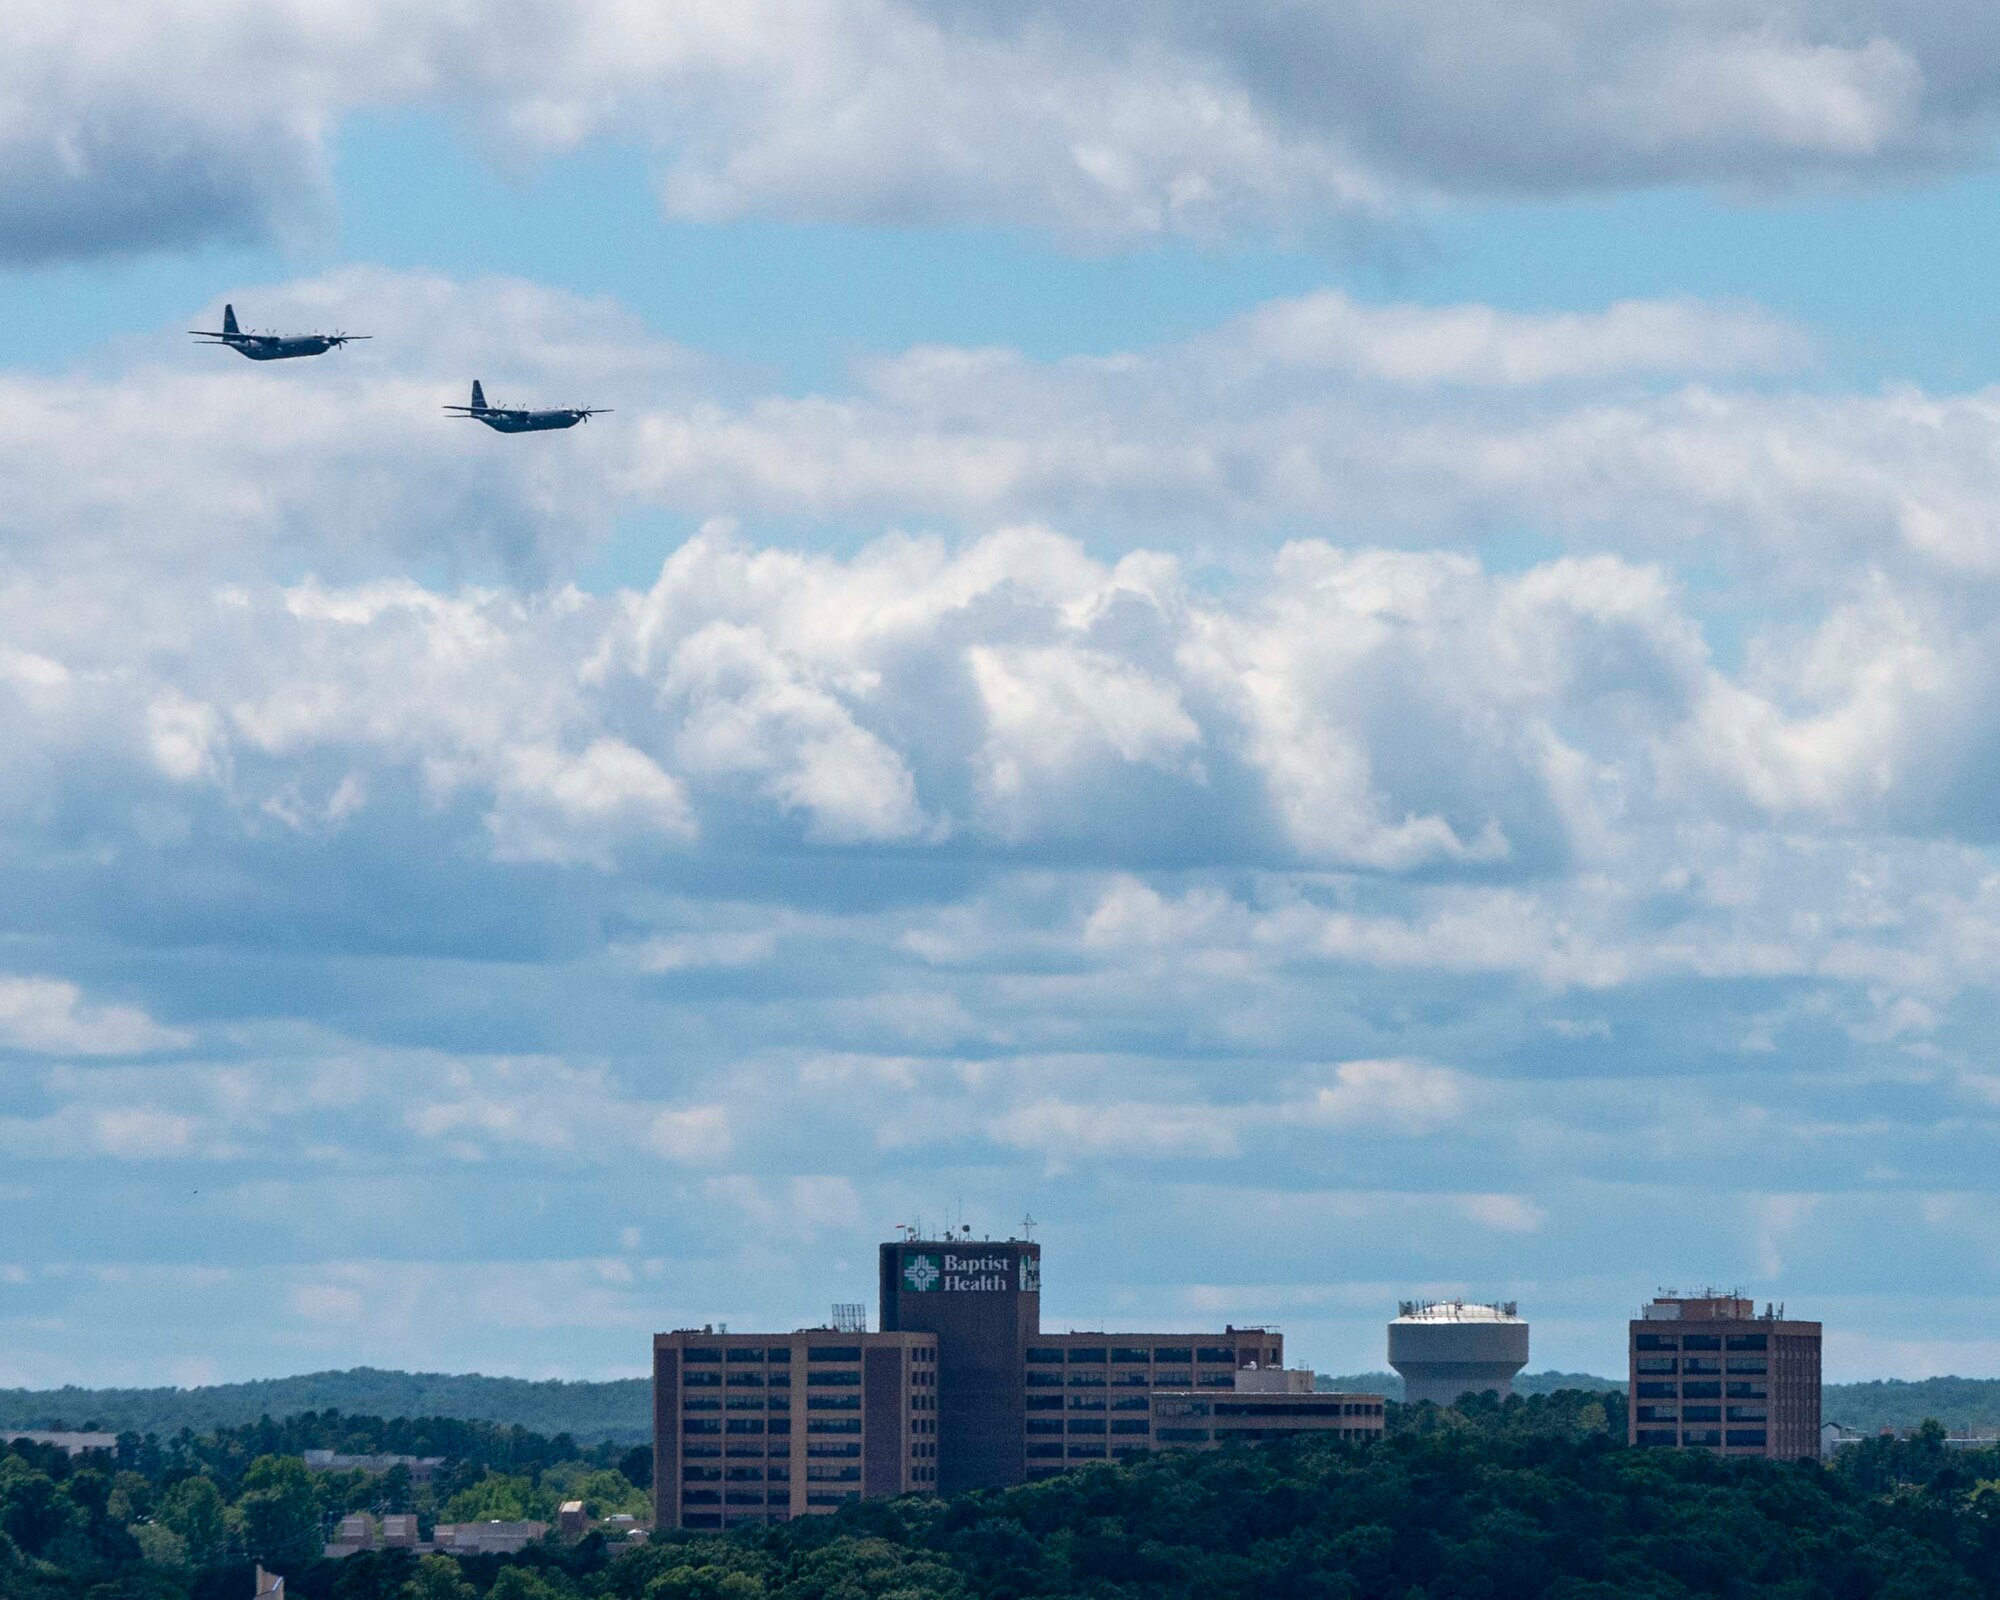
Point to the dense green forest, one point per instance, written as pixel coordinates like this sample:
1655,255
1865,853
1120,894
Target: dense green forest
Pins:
1533,1500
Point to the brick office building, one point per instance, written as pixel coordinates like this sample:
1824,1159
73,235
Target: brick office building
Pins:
960,1390
1709,1373
766,1427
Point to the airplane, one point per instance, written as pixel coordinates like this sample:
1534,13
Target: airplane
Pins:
513,419
272,346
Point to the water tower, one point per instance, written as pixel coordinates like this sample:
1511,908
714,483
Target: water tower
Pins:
1445,1348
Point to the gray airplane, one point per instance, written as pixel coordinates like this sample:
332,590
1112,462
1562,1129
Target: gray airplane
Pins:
272,346
512,419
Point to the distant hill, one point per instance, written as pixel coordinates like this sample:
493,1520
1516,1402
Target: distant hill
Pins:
620,1411
1972,1403
1387,1383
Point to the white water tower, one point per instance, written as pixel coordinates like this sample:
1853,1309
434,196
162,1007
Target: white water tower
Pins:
1445,1348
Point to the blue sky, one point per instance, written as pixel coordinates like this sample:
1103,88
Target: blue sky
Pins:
1349,653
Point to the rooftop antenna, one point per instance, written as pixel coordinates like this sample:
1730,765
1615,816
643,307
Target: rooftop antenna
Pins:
1028,1227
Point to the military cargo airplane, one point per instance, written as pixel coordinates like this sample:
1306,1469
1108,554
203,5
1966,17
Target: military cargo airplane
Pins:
272,346
513,419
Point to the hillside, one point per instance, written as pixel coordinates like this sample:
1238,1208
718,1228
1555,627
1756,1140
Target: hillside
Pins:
1387,1383
618,1412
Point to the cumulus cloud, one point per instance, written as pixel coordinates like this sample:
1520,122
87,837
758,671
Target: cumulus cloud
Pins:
50,1016
1123,122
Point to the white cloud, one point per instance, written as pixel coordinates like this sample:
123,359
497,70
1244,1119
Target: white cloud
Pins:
49,1016
1408,1096
1122,122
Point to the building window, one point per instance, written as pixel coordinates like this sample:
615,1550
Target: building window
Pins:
1041,1452
1181,1435
1086,1452
703,1380
833,1380
1655,1341
833,1451
1045,1380
833,1425
1657,1414
833,1402
1657,1391
1700,1391
1701,1413
1747,1436
1086,1424
745,1353
702,1497
1701,1436
1173,1352
1704,1364
1702,1341
1045,1425
708,1354
1746,1414
832,1497
781,1424
696,1402
1216,1352
1129,1353
784,1499
1749,1341
746,1425
1129,1402
1657,1436
1087,1352
1045,1402
701,1425
701,1474
1658,1364
1755,1366
1748,1391
702,1519
832,1472
779,1352
1043,1354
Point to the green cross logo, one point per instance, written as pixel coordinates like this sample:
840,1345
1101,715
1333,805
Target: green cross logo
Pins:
921,1273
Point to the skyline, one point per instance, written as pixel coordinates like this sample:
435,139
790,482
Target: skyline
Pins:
1349,654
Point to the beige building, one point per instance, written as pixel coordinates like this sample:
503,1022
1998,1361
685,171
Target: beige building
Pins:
1265,1404
1708,1372
755,1428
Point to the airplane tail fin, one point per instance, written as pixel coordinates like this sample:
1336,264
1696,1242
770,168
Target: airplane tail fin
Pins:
478,396
229,320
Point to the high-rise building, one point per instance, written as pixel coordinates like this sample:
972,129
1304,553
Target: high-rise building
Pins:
765,1427
982,1301
960,1390
1708,1372
1446,1348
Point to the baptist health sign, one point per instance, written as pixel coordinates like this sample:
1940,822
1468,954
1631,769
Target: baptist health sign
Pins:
956,1272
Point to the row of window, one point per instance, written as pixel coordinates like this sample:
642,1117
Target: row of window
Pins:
1086,1425
748,1354
1736,1438
1751,1389
1098,1354
1131,1380
1653,1366
1701,1341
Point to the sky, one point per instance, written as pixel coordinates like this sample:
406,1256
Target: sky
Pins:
1347,651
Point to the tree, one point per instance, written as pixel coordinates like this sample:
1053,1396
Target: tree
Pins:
160,1545
438,1578
193,1510
280,1515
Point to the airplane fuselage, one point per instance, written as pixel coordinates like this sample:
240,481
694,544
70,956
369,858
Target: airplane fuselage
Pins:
270,347
508,421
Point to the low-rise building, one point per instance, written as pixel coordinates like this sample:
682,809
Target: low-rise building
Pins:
1263,1405
488,1538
